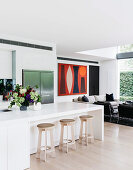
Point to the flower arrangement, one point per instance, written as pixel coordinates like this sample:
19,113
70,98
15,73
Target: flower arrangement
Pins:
24,96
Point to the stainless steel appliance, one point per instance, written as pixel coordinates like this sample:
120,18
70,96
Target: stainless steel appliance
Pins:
45,81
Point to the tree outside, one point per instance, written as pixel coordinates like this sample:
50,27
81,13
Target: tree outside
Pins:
125,48
126,75
126,85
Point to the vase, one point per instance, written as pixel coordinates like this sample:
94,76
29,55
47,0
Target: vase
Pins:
37,106
23,108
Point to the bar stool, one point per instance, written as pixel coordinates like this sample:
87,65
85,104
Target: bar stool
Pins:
45,127
88,121
67,123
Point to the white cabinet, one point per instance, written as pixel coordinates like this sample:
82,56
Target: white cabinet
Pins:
14,146
3,148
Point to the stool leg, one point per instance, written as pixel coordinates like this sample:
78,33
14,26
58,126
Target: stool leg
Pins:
61,137
52,140
86,132
45,148
73,136
81,132
39,144
67,140
91,131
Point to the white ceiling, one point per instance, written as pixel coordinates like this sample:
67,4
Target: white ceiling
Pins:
74,25
102,53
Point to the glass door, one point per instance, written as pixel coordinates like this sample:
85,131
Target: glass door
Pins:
47,87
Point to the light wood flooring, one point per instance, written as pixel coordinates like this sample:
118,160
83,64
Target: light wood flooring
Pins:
115,153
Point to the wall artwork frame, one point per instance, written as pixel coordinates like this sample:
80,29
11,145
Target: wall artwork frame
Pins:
72,79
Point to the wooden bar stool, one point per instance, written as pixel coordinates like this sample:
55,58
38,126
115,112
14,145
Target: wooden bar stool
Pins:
67,123
88,122
45,127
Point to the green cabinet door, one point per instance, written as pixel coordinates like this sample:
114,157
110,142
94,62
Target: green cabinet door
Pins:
47,87
45,81
31,78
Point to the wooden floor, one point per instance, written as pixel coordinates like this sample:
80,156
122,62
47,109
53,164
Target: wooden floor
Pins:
115,153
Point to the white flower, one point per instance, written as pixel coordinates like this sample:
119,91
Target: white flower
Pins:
23,91
34,96
15,95
21,99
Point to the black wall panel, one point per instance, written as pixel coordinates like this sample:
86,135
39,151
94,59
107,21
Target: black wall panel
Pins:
93,80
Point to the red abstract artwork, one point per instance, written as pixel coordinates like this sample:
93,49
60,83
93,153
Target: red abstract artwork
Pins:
72,79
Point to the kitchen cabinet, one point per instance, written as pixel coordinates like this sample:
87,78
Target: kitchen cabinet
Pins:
45,82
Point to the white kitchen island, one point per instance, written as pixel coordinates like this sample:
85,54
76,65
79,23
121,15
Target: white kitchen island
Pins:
18,131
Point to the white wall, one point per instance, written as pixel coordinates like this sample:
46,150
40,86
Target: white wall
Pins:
28,58
109,77
34,60
5,64
31,59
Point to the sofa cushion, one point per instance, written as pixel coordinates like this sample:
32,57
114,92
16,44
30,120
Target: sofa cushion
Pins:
114,103
80,98
109,97
101,98
85,99
125,111
99,102
91,99
75,100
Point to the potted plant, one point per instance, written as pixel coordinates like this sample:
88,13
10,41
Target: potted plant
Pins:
22,97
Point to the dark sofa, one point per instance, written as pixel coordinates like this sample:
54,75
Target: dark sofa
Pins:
107,107
126,111
110,109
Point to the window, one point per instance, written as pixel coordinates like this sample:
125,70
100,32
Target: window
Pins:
126,79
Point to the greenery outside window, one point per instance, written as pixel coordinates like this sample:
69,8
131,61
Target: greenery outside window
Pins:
126,75
125,48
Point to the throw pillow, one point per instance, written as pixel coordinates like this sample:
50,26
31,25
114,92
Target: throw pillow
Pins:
75,100
91,99
80,98
85,99
101,98
109,97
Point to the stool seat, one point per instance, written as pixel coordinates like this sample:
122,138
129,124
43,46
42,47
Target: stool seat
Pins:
45,125
86,117
67,120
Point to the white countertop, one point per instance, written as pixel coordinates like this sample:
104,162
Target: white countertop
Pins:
48,111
